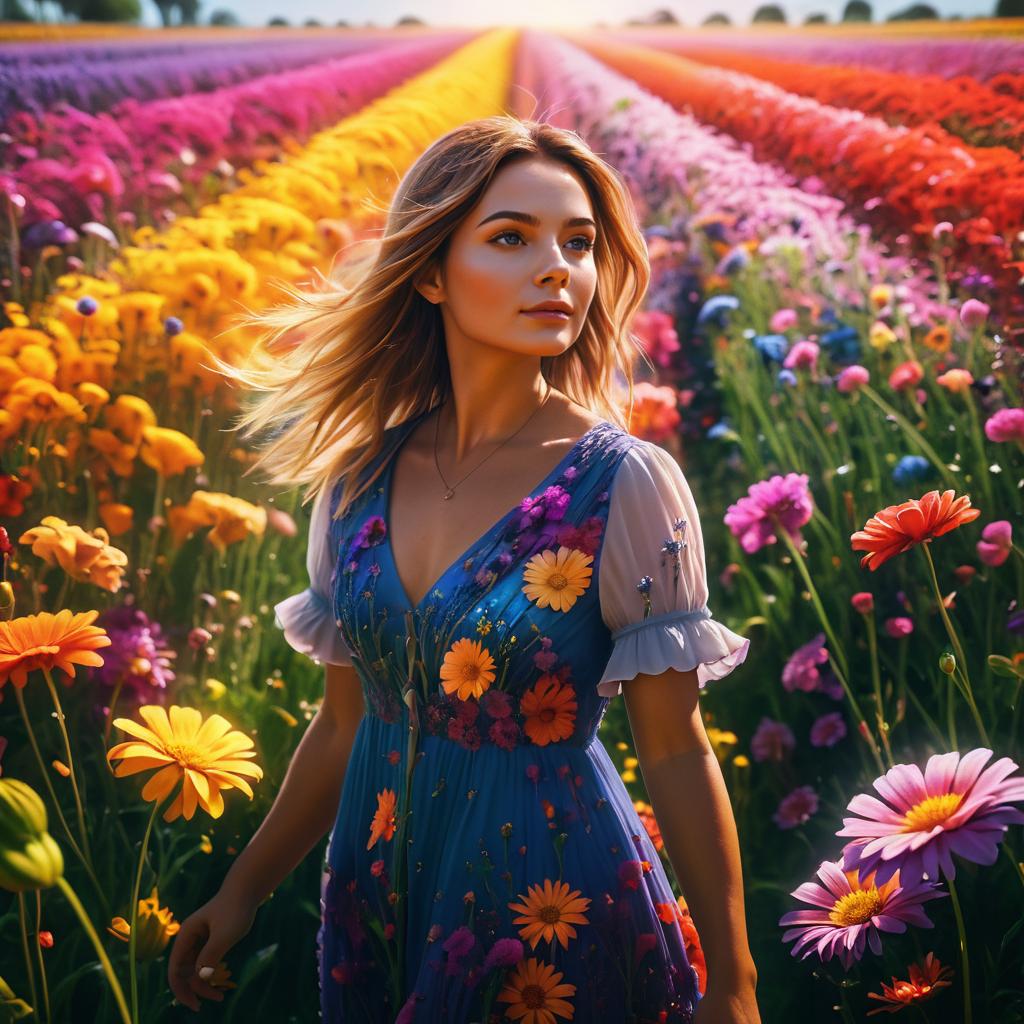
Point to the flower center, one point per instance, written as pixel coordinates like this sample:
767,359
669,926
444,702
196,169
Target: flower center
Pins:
533,997
557,581
550,915
932,811
856,907
185,754
470,672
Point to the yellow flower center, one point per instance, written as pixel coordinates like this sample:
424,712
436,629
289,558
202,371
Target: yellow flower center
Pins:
557,581
533,997
185,754
550,915
932,811
856,907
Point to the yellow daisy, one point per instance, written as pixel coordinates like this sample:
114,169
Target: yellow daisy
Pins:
468,669
557,578
549,912
206,756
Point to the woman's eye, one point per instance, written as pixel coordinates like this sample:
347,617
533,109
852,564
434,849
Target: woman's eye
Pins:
504,234
586,247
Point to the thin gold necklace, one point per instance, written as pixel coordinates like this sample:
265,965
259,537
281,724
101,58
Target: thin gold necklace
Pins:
437,426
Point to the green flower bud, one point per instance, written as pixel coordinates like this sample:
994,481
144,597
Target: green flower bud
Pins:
947,663
29,857
6,601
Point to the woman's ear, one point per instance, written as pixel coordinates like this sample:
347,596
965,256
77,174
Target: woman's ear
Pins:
430,287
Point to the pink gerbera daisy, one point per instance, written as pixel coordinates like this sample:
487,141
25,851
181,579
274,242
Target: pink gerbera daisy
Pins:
850,914
953,807
781,501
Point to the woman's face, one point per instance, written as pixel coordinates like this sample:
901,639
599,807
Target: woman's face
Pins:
528,241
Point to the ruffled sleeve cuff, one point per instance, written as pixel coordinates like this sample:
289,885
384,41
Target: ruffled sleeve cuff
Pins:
678,640
310,628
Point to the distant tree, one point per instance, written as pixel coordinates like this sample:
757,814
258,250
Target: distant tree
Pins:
662,16
224,17
857,10
341,23
11,10
410,19
717,19
312,23
277,21
1009,9
816,19
111,10
915,12
769,13
189,11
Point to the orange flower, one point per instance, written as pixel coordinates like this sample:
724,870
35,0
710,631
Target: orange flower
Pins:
938,339
694,950
556,578
468,669
899,527
925,980
534,994
83,556
383,824
168,451
549,913
45,642
549,709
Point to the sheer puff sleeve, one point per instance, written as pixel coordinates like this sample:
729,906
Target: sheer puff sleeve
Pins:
307,618
652,578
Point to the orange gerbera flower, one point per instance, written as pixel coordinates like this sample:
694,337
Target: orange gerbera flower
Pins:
383,824
557,578
549,912
549,710
899,527
925,980
468,669
45,642
534,994
206,756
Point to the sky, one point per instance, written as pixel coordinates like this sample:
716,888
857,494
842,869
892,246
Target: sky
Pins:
539,13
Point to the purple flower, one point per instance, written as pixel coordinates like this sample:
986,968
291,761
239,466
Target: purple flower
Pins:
86,305
772,741
538,519
138,656
953,807
460,943
801,670
780,501
372,532
173,326
828,730
797,807
996,542
504,953
849,915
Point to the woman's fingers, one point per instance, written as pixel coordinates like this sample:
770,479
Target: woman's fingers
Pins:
182,963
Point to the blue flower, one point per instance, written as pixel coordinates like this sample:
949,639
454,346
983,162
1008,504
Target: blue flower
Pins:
716,309
772,346
912,468
786,377
87,305
843,344
720,429
173,326
735,259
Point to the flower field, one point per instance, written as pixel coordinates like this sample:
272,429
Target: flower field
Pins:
831,347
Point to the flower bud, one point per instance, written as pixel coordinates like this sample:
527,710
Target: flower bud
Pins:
29,857
155,926
947,663
6,601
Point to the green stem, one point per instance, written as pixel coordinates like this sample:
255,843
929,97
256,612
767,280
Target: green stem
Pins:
955,641
39,955
108,969
133,930
28,958
876,683
965,967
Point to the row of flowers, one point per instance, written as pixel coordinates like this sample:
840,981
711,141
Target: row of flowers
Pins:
150,161
909,180
977,112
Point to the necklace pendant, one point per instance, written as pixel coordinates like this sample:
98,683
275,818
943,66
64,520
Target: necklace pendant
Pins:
449,494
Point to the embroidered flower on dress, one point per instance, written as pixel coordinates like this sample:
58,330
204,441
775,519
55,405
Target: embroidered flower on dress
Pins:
468,669
534,994
372,532
549,912
549,710
383,824
556,578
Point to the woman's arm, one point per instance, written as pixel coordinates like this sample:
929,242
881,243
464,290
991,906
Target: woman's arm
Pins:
693,811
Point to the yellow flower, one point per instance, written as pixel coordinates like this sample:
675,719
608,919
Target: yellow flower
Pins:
233,519
129,416
205,756
156,925
549,913
721,740
168,451
83,556
557,578
468,669
881,336
881,295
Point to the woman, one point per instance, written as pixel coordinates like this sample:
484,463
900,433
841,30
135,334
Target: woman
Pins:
492,559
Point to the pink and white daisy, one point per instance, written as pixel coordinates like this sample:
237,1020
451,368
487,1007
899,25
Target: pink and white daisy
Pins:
956,806
849,914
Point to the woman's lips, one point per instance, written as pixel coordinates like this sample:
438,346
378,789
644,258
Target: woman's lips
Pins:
546,314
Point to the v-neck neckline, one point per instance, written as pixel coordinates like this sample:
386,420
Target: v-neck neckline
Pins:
405,429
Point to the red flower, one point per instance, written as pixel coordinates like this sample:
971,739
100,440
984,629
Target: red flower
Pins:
925,980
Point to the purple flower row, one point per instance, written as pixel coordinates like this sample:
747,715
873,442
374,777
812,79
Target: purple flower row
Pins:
74,166
661,152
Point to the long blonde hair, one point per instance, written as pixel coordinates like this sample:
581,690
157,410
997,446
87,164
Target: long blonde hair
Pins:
371,354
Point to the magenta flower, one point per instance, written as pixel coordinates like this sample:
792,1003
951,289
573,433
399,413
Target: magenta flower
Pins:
772,741
1005,425
852,379
828,730
801,670
996,542
782,320
802,356
797,807
898,626
906,375
504,953
781,501
850,914
863,601
953,807
974,313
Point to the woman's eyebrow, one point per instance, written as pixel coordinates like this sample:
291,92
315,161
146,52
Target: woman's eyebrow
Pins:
529,218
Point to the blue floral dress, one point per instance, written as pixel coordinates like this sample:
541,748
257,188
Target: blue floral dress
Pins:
487,862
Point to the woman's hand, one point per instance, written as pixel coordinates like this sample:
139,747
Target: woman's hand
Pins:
736,1005
204,938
